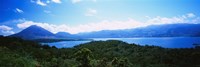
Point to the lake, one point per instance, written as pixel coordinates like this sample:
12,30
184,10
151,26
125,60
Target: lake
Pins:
167,42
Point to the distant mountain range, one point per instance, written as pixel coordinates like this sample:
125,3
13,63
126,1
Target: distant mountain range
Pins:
167,30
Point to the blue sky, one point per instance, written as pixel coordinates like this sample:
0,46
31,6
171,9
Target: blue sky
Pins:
75,16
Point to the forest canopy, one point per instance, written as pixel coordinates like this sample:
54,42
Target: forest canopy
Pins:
16,52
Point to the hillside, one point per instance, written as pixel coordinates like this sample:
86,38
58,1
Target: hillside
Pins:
22,53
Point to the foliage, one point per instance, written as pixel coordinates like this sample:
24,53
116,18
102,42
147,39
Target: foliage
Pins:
15,52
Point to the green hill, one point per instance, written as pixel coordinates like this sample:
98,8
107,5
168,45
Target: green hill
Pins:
15,52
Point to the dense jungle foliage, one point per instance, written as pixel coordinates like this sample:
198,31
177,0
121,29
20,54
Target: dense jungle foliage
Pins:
15,52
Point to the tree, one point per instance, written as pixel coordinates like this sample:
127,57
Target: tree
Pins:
83,56
122,62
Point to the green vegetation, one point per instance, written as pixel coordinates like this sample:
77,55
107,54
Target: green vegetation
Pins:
15,52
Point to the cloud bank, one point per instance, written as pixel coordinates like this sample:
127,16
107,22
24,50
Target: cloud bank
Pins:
112,25
6,30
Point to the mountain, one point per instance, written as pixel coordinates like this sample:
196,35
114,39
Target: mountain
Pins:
34,32
65,35
62,34
166,30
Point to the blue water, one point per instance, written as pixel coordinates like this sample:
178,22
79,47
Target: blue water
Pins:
167,42
66,44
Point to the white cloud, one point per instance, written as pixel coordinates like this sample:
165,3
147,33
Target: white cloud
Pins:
6,30
187,18
165,20
111,25
147,17
196,20
91,12
39,2
190,15
76,1
56,1
46,2
104,25
19,10
49,27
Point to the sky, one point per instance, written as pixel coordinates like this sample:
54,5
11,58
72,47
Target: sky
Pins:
77,16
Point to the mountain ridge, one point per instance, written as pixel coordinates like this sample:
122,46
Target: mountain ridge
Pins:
166,30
